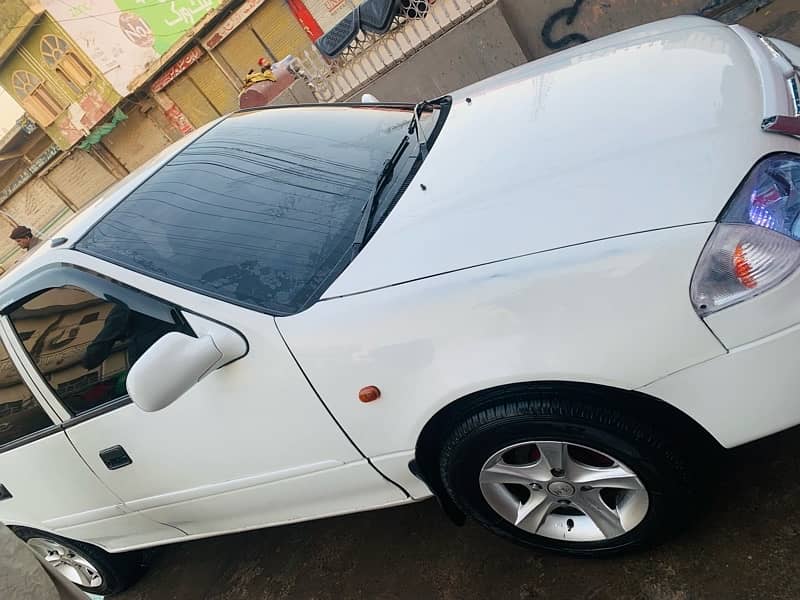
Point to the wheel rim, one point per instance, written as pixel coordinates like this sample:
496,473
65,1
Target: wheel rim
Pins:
563,491
72,565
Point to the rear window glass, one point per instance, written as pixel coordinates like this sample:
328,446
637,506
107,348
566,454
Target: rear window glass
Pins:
262,210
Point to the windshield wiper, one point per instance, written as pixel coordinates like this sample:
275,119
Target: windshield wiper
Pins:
368,210
416,127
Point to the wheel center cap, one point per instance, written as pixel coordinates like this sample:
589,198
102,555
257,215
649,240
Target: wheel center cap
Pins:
562,489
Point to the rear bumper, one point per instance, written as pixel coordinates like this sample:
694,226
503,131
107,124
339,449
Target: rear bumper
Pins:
751,392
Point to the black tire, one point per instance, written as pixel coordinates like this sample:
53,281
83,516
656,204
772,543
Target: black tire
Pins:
510,418
118,571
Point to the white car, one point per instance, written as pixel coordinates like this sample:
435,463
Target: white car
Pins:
547,299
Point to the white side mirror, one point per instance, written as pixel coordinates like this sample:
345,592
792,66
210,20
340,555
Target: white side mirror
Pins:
176,362
369,99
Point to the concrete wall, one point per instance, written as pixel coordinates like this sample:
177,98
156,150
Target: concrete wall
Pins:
511,32
482,46
781,19
545,26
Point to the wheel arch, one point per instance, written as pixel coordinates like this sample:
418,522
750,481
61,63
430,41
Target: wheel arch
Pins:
649,409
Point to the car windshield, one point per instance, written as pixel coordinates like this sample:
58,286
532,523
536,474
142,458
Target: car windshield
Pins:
261,210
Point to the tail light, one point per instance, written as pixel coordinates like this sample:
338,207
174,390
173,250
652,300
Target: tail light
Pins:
756,244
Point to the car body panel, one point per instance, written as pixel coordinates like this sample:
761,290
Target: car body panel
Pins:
230,441
53,490
614,312
741,396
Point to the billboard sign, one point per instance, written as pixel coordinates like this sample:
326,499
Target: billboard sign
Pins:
123,37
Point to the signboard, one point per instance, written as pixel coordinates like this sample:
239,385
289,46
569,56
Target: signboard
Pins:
327,13
123,37
183,63
231,23
173,113
167,20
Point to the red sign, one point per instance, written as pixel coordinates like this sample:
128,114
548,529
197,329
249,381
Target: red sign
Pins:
178,119
228,25
306,19
186,61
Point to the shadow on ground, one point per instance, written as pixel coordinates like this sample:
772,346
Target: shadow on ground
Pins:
747,545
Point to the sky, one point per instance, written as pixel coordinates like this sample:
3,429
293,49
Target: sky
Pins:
9,112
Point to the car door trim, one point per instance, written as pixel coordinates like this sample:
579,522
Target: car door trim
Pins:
97,411
31,437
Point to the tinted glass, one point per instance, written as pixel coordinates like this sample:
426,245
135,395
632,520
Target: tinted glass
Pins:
84,345
20,414
261,210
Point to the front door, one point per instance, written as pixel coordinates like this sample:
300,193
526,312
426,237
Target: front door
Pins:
44,483
249,445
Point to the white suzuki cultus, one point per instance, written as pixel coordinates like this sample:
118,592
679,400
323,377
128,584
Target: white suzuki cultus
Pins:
548,299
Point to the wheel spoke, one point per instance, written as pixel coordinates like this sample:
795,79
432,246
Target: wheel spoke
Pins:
532,514
505,473
605,518
612,477
554,454
82,573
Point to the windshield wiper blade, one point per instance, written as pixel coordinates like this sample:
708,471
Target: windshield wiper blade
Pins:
368,210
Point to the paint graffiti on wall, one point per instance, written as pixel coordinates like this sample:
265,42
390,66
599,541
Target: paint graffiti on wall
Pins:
565,16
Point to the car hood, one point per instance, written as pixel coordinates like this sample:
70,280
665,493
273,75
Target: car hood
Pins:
651,128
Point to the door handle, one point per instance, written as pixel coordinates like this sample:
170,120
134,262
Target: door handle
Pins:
115,457
4,493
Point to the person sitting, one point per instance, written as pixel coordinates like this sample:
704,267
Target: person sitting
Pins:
264,74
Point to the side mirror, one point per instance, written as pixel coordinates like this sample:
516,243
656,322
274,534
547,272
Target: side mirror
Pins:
176,362
369,99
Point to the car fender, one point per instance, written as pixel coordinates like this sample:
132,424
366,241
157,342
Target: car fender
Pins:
614,312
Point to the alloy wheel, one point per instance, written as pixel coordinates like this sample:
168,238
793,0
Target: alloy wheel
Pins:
563,491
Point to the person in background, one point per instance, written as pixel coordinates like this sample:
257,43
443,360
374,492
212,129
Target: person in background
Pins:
24,238
265,73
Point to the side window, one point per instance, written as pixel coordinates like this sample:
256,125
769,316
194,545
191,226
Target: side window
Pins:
20,413
84,345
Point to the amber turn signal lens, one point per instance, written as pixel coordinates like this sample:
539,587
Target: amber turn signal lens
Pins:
369,394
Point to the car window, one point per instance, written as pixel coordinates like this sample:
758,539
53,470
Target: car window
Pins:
84,345
262,210
20,413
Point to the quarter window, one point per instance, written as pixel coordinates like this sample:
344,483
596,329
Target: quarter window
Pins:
20,413
84,345
62,58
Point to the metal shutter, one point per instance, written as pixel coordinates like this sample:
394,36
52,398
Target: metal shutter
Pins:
241,50
191,101
80,177
278,28
135,140
36,206
217,88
